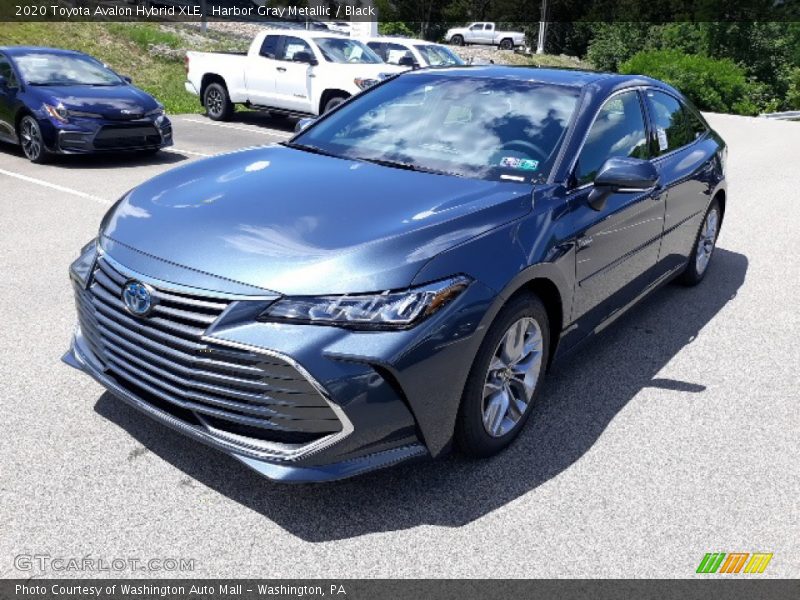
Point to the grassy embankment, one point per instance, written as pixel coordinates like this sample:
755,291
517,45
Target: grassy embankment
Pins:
127,48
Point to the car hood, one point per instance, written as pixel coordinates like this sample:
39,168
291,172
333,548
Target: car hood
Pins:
293,222
112,102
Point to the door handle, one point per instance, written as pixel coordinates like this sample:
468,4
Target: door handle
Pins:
281,69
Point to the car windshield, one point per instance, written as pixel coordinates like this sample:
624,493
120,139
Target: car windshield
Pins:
40,68
438,56
497,129
344,50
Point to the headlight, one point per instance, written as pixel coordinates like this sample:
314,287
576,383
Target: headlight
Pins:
364,83
81,269
59,113
156,112
389,310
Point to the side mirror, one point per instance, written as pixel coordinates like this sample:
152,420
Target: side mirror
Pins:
302,124
407,61
127,79
622,175
304,57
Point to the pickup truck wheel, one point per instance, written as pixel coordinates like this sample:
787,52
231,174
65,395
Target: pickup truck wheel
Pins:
217,102
506,44
333,102
458,40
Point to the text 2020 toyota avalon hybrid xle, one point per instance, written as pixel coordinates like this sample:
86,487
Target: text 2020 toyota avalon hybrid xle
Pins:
396,279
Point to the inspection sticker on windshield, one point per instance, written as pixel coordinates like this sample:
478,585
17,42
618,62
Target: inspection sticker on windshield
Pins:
524,164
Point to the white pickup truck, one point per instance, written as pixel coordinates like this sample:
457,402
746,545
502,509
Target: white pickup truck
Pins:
285,71
484,33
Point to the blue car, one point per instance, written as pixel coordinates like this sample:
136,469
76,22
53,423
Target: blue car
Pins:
397,278
64,102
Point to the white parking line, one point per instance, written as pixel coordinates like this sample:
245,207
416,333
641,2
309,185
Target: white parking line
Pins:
54,186
280,134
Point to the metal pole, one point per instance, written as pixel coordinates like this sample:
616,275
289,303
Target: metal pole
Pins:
542,29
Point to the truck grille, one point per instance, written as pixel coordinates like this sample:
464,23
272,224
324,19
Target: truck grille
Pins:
163,359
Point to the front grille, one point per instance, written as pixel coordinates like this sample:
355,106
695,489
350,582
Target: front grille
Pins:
163,358
122,137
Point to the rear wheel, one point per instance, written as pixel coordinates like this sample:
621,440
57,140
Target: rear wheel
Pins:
333,102
30,138
217,102
703,248
506,44
458,40
505,378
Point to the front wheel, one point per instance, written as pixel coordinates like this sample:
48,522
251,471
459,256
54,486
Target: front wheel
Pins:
30,137
217,102
505,378
703,248
333,103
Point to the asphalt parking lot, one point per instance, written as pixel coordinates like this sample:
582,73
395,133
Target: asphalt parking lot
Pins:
675,434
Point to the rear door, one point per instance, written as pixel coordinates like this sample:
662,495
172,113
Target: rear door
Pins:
261,74
617,247
685,162
8,100
293,90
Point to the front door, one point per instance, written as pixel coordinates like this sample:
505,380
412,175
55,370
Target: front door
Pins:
617,246
293,90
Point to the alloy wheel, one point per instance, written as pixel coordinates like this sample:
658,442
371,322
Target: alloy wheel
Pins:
706,241
512,376
31,138
214,102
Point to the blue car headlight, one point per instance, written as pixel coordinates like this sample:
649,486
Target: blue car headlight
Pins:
387,310
81,269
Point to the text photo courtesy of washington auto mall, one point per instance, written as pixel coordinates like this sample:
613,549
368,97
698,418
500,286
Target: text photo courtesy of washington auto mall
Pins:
399,299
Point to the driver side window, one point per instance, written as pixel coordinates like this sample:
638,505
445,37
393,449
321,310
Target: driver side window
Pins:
293,46
618,130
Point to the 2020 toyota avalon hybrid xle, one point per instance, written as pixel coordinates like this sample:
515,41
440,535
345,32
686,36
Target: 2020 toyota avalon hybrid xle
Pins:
396,279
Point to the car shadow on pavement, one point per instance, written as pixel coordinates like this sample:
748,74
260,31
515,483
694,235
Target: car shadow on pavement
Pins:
579,400
263,119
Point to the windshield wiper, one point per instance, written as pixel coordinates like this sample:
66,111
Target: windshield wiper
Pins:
406,166
308,148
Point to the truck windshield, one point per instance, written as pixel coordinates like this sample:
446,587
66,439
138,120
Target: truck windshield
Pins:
40,68
344,50
479,127
438,56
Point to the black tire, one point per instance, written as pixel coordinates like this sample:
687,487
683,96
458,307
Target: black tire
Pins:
217,102
696,269
457,40
472,437
506,44
31,140
333,102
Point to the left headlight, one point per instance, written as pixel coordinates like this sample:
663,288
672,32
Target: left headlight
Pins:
59,113
156,112
365,82
81,269
388,310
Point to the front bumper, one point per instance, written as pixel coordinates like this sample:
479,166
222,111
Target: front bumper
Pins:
375,398
89,136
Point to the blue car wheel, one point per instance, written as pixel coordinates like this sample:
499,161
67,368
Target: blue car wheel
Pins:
30,137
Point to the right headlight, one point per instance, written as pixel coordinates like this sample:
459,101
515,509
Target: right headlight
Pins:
387,310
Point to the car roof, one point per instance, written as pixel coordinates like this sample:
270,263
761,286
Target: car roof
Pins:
605,82
398,40
22,50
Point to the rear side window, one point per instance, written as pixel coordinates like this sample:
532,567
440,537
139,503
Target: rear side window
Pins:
618,130
675,125
293,46
270,46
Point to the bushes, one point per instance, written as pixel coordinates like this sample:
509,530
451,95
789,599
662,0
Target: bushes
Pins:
718,85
